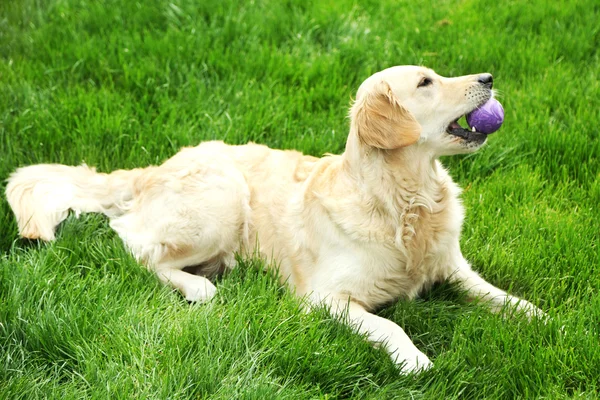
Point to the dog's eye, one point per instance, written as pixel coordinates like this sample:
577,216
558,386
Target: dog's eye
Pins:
425,82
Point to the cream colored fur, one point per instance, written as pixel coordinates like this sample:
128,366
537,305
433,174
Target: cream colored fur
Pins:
354,231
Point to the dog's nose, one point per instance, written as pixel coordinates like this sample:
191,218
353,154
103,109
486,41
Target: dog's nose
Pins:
486,80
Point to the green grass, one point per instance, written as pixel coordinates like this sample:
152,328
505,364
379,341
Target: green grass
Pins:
120,84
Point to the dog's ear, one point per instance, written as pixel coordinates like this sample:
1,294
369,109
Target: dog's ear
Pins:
380,121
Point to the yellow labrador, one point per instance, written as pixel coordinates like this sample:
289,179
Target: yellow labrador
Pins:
353,231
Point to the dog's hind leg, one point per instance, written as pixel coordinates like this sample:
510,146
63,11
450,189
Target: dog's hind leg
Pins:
194,210
167,246
188,217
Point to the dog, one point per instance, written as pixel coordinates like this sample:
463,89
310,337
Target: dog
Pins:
350,232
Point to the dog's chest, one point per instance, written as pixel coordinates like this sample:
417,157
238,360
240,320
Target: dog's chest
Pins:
382,259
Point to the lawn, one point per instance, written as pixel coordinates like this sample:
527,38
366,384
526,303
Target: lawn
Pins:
121,84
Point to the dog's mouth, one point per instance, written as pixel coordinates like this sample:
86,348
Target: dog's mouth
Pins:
470,135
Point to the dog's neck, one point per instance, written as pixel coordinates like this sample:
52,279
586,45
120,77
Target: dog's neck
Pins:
411,171
401,189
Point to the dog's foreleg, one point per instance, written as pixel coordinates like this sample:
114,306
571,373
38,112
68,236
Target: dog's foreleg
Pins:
383,332
477,287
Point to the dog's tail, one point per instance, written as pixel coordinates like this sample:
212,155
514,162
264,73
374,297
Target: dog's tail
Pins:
42,195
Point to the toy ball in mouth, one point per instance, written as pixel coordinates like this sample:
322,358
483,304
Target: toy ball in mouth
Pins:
488,118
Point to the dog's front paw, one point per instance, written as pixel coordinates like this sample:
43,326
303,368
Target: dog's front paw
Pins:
415,363
530,311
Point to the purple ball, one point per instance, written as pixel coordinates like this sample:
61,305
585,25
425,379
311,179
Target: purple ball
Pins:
488,118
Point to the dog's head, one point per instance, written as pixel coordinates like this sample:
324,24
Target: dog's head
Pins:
409,105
